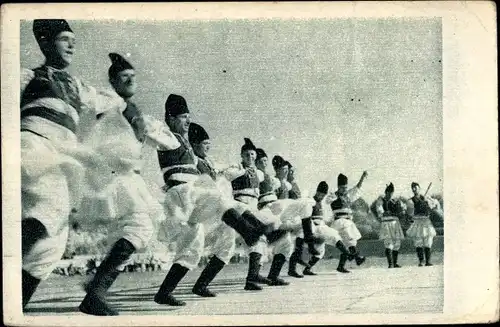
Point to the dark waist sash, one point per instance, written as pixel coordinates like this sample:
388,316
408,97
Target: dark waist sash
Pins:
52,115
179,170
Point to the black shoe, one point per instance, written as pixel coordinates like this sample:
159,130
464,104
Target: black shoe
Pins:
309,272
360,260
259,279
295,274
277,282
203,292
174,276
250,286
169,299
420,264
208,274
94,305
343,270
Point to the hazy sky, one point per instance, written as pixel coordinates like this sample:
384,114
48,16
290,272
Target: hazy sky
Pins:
330,96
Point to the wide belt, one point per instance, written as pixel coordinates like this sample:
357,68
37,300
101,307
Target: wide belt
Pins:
386,219
420,217
52,115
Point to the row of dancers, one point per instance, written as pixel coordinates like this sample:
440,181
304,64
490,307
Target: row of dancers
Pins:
78,140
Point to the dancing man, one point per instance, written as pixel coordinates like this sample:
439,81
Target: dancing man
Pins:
386,209
191,200
421,230
245,180
118,137
322,234
342,214
52,160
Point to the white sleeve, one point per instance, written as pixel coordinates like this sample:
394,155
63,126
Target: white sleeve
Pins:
158,135
233,172
95,101
26,76
410,207
354,193
260,176
276,184
379,206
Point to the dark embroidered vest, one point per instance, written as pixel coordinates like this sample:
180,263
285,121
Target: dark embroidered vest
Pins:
57,84
177,163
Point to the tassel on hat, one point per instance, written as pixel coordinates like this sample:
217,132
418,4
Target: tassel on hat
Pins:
118,64
175,105
48,29
341,180
197,134
322,187
248,146
389,188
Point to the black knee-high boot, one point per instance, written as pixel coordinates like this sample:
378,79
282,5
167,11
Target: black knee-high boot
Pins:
309,236
295,258
311,263
388,254
32,230
248,231
253,276
174,276
29,285
342,261
278,262
355,254
341,247
94,302
395,258
420,255
427,252
272,234
208,274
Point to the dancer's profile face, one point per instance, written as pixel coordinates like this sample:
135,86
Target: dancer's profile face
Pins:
180,123
59,52
124,83
415,189
201,149
262,163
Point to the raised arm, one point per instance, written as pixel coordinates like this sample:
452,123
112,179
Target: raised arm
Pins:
362,179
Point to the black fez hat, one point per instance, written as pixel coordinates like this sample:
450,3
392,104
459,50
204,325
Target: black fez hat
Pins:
278,162
322,187
118,64
341,180
48,29
415,184
261,153
389,188
197,134
248,146
175,105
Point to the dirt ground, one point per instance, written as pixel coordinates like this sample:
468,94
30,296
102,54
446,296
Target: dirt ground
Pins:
371,288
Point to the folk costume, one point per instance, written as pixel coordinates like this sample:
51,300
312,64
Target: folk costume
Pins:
245,182
390,229
130,206
322,234
342,215
191,199
274,197
52,159
219,237
421,231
